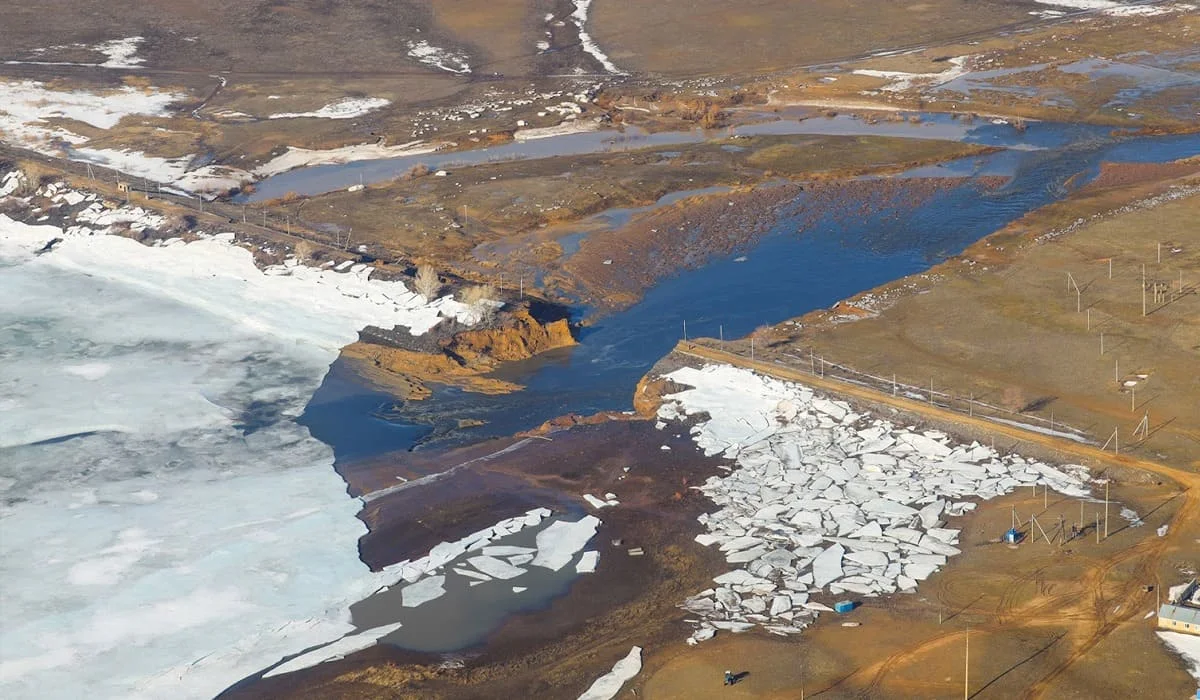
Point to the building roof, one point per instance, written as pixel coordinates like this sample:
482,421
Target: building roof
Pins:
1180,613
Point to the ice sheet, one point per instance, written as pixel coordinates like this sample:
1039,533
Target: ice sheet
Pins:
151,466
558,543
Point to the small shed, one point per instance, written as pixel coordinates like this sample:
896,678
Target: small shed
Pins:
843,606
1179,618
1013,536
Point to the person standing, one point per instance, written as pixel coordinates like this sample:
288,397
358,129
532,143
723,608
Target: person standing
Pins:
729,678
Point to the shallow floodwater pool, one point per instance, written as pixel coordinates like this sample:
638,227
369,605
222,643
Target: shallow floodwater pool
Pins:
467,613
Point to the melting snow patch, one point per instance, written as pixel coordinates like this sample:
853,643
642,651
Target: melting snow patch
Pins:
579,17
825,499
1187,646
901,81
445,59
348,108
1131,515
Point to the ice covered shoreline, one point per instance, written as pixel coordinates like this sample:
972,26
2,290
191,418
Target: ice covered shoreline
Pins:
150,460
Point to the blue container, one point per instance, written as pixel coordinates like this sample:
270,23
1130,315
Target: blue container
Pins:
843,606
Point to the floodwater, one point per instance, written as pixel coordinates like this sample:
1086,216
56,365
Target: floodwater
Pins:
466,614
319,179
798,266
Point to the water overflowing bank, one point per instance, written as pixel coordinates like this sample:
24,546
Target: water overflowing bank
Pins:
803,262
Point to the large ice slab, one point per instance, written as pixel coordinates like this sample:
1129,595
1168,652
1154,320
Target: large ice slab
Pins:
422,591
496,568
336,650
607,686
558,544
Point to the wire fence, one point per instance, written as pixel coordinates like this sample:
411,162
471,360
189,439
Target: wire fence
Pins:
823,367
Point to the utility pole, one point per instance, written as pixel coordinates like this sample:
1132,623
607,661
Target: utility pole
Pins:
1106,509
967,665
1143,289
685,331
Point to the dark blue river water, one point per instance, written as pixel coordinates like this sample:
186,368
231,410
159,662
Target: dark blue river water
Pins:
798,266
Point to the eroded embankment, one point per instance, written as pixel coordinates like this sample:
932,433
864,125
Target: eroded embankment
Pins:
453,357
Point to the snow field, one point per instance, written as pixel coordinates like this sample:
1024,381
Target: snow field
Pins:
826,500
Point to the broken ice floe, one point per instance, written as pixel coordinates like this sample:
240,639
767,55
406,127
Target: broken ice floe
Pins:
607,686
598,503
334,650
825,499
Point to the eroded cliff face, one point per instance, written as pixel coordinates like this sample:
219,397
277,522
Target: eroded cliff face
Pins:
463,357
519,337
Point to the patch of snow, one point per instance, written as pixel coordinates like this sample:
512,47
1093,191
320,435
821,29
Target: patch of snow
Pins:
569,127
1187,646
901,81
303,157
607,686
121,53
25,107
445,59
579,17
347,108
